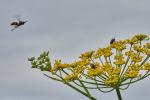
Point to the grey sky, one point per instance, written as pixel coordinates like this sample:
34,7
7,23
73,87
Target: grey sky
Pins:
66,28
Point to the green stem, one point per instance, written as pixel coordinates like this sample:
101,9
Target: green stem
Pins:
146,75
53,78
101,61
91,98
144,60
126,62
118,94
89,95
110,60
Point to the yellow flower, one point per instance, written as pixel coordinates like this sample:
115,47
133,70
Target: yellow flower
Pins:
86,55
138,48
129,53
106,51
79,66
119,59
132,72
147,45
119,62
112,81
58,65
131,41
98,53
147,52
118,56
136,58
110,70
95,71
147,66
116,71
108,67
80,63
71,77
140,37
119,45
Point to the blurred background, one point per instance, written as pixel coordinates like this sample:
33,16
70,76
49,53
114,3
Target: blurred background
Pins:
66,28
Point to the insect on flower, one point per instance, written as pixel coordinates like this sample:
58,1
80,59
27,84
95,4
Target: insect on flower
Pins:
92,66
112,40
17,23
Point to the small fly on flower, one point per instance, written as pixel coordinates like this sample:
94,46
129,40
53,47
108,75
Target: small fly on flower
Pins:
17,23
92,66
112,40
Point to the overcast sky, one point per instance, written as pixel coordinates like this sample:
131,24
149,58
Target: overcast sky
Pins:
66,28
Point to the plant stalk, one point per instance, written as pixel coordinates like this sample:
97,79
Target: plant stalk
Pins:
118,94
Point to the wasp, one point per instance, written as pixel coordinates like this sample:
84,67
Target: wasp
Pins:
17,23
112,40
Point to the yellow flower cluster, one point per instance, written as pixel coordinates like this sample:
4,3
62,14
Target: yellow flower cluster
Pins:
135,39
119,60
98,53
135,57
79,66
147,52
95,70
111,70
119,45
131,41
112,73
58,65
130,53
86,55
138,48
71,77
80,63
132,71
140,37
113,65
147,45
112,81
147,66
107,52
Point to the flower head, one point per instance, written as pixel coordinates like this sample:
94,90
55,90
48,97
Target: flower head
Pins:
95,70
119,59
147,66
71,77
112,81
98,53
132,71
140,37
121,63
58,65
119,45
106,52
86,55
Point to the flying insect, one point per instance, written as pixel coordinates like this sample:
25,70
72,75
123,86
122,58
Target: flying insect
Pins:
17,23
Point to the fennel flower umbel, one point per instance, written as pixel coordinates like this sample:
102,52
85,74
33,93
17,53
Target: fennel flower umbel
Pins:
114,67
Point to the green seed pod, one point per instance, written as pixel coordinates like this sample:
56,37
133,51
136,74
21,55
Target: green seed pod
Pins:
31,59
